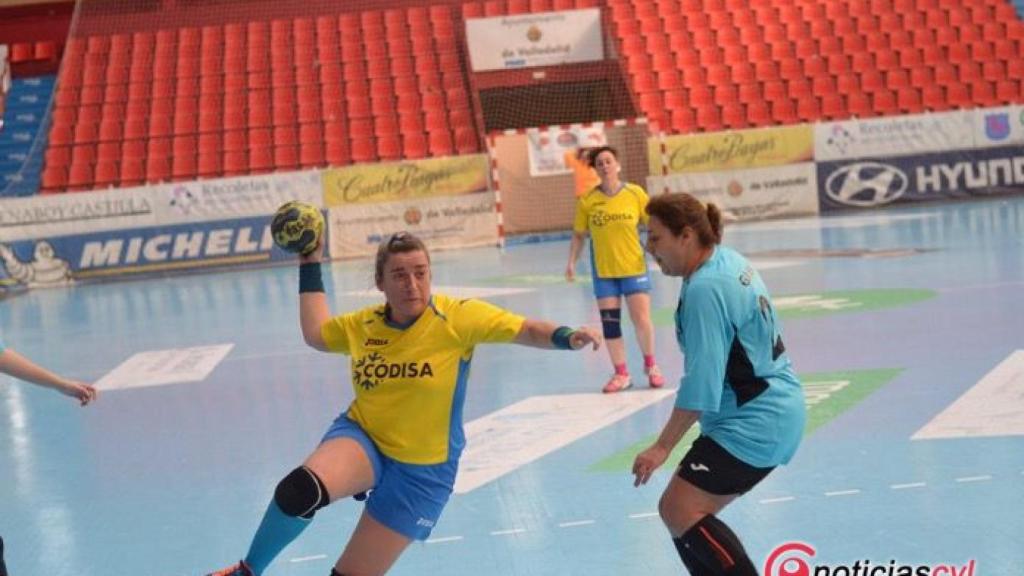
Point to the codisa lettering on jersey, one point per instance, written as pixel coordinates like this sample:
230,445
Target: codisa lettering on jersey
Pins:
602,218
180,246
376,342
372,369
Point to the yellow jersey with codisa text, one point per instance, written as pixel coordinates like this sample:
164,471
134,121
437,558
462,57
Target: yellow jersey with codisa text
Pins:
612,222
410,383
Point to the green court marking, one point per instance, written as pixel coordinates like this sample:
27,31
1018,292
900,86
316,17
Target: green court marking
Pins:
821,304
828,395
534,280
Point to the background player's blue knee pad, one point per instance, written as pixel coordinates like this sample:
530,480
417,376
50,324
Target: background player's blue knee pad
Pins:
611,323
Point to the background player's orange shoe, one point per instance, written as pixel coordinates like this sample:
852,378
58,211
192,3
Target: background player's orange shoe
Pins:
239,569
617,383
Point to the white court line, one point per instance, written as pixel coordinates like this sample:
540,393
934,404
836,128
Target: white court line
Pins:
643,515
440,540
308,558
776,500
842,493
973,478
908,485
507,532
576,523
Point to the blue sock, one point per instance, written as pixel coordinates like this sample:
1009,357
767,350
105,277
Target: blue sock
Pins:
276,531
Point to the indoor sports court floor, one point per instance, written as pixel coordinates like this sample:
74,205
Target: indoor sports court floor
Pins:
906,325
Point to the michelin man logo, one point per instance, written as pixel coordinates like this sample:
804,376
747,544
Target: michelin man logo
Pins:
45,269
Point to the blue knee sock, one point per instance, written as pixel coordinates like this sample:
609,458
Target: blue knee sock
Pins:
276,531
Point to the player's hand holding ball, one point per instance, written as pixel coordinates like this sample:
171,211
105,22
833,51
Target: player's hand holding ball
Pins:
298,227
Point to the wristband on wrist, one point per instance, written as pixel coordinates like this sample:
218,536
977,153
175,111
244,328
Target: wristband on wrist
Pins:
310,278
561,337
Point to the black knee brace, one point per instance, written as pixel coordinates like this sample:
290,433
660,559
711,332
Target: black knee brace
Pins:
301,493
611,323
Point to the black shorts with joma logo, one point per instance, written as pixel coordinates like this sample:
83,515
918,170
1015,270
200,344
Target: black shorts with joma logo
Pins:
713,469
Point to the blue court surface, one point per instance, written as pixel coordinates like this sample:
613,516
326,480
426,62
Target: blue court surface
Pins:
905,324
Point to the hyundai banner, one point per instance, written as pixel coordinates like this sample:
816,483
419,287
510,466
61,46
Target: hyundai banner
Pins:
877,181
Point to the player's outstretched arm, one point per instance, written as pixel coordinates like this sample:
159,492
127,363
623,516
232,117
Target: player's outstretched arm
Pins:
544,334
654,456
313,308
24,369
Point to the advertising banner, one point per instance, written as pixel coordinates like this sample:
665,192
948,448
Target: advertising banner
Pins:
998,126
441,222
538,39
412,180
227,198
877,181
712,152
547,146
49,216
895,136
62,260
751,194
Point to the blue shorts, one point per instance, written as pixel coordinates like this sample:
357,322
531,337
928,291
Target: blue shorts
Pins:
608,287
407,498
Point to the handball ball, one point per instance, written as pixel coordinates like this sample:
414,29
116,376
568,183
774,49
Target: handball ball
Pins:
297,227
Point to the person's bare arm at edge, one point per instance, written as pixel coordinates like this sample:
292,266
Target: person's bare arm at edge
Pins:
653,457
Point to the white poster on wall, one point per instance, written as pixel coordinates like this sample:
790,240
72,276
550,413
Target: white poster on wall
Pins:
895,136
753,194
227,198
50,216
547,146
1003,126
442,222
539,39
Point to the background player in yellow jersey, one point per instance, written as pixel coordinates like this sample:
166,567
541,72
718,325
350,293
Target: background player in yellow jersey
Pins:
402,435
611,213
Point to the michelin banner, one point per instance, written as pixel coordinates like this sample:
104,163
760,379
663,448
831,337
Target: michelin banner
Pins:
754,194
877,181
56,261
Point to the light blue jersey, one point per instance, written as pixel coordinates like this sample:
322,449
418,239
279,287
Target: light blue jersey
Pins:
737,372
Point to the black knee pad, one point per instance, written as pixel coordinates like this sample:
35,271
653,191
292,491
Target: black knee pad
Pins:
301,493
611,323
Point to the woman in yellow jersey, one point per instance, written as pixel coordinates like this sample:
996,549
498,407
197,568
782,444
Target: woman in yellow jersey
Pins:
401,437
611,213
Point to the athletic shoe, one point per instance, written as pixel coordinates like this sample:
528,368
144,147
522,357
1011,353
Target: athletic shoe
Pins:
654,377
617,383
239,569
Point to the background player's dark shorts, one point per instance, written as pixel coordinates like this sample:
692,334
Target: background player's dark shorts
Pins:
3,569
713,469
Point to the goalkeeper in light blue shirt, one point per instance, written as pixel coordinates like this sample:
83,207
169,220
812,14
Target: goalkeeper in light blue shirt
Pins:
738,384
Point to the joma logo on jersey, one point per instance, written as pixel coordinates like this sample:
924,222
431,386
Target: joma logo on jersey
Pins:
376,342
371,370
